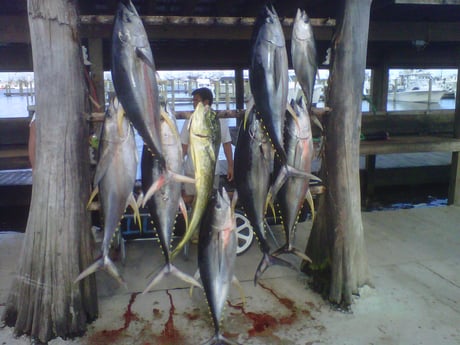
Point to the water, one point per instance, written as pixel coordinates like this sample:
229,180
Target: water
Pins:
15,106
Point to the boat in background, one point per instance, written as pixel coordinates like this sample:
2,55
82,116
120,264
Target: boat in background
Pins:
415,87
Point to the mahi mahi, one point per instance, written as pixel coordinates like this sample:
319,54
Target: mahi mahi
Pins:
303,52
115,177
134,76
204,130
253,164
165,203
216,257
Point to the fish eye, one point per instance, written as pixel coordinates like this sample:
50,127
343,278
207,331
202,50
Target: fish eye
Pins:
269,20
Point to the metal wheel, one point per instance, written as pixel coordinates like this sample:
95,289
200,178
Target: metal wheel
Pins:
244,233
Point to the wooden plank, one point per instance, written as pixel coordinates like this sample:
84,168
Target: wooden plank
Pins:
407,144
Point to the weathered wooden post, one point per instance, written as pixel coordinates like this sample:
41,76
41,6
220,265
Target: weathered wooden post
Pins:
44,302
336,244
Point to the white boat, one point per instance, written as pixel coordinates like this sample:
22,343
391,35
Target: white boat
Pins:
415,87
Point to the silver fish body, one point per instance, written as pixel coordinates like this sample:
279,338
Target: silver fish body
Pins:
253,163
303,53
164,204
115,177
204,149
268,75
216,257
300,152
134,75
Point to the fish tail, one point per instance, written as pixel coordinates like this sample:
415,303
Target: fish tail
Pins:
219,339
270,260
102,263
291,250
167,270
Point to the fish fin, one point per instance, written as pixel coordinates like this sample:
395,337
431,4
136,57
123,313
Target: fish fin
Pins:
317,122
292,112
219,339
155,187
133,203
286,172
110,267
309,198
249,107
93,195
237,283
140,199
103,164
167,270
291,250
106,264
269,201
181,178
234,200
120,114
94,267
270,260
170,123
141,55
293,172
196,276
183,210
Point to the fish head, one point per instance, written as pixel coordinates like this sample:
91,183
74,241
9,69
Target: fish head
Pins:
203,123
303,129
168,130
268,27
224,212
302,26
129,26
114,119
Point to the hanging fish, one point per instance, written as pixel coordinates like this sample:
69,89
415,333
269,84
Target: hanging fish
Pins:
299,148
114,179
165,203
216,257
253,164
134,76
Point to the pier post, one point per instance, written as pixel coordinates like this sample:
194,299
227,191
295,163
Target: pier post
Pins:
454,183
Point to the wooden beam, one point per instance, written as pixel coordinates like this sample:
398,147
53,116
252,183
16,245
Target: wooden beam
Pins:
427,2
15,29
408,144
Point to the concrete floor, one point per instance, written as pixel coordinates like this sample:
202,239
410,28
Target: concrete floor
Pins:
414,257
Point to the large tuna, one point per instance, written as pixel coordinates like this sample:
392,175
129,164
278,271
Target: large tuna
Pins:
216,257
115,177
303,52
165,203
253,164
268,76
204,130
298,141
133,75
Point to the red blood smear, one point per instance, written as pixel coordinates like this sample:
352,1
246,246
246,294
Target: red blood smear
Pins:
111,336
260,321
264,321
170,335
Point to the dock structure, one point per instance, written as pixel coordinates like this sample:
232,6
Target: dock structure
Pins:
201,39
